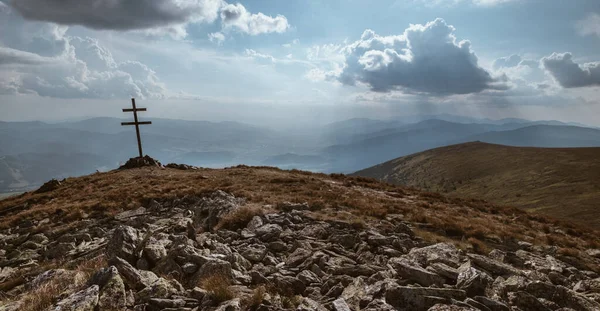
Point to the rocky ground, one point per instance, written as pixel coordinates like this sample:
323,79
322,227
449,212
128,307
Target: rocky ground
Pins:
214,252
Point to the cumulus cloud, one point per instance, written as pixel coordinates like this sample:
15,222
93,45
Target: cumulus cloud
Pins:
237,17
39,58
568,73
589,25
424,59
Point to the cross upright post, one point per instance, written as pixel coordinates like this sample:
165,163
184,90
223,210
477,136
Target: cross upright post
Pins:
137,123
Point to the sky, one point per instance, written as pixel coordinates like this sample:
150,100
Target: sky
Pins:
301,62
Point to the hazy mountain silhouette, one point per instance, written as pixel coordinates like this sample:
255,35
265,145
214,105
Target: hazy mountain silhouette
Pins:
57,149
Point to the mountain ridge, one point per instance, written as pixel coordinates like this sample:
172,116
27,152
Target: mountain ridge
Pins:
562,182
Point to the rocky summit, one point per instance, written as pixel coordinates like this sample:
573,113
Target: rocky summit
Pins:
265,239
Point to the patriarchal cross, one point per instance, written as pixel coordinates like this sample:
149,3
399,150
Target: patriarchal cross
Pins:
136,123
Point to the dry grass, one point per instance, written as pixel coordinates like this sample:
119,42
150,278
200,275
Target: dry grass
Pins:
240,217
358,201
291,302
253,301
560,182
45,295
217,286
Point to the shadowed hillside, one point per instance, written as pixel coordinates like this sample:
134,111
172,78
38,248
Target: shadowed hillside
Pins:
562,182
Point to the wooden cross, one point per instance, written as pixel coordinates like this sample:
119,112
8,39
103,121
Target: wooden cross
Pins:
136,123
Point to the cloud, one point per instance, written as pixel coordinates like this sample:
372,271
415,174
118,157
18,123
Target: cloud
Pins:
150,17
425,59
216,37
589,25
483,3
519,68
263,58
237,17
569,74
41,59
119,14
505,62
491,2
10,56
289,45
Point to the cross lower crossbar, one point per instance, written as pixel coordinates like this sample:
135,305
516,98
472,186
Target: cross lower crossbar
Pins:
132,110
138,123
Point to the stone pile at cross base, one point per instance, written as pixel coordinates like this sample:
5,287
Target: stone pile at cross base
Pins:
140,162
162,256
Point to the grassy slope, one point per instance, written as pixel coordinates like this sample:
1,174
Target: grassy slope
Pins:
351,199
8,194
561,182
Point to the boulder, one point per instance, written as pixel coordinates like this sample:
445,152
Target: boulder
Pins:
255,252
84,300
473,281
268,232
160,288
112,289
307,304
492,266
415,273
442,252
210,209
297,257
123,244
420,298
212,266
491,304
445,307
137,279
308,277
288,284
340,305
526,301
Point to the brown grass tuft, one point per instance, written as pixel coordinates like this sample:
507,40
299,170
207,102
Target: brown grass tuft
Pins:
239,218
217,286
45,295
256,299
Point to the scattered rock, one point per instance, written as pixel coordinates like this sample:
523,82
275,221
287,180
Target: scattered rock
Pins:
168,255
183,167
85,300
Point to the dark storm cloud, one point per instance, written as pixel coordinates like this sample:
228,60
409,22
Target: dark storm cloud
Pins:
119,14
569,74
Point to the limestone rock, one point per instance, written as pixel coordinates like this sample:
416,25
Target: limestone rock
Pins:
123,244
415,273
85,300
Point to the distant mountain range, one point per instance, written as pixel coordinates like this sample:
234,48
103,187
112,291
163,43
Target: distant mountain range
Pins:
562,182
33,152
